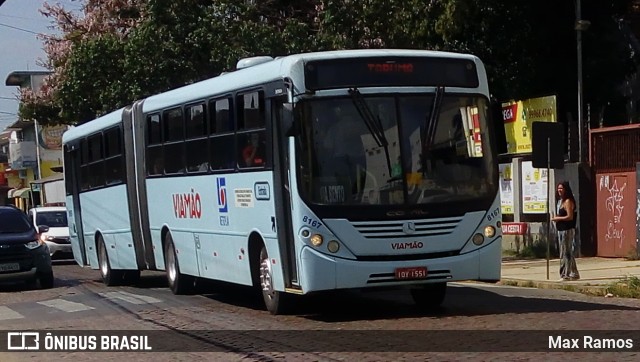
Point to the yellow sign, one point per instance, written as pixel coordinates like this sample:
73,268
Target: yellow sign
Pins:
518,117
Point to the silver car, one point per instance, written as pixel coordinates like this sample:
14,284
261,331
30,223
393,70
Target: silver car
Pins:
57,237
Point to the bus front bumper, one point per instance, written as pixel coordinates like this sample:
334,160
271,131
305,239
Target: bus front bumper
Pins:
324,272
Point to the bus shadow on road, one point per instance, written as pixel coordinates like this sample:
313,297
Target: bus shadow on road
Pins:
359,305
227,293
460,301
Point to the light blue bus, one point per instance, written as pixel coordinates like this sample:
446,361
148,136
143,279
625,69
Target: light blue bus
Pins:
305,173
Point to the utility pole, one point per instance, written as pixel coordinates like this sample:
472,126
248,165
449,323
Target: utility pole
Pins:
579,51
580,26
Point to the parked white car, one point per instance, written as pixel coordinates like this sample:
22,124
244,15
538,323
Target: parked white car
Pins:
57,237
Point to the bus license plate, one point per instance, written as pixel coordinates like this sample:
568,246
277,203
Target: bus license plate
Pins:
9,267
411,273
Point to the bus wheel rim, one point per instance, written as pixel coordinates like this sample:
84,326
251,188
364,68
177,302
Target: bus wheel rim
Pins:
172,266
104,264
265,278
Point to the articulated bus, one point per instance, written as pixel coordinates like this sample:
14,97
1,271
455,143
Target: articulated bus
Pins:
347,169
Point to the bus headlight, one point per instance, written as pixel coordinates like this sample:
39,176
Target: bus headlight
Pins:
305,233
333,246
478,239
316,239
489,231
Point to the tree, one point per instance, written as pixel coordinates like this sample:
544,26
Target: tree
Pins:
122,50
100,19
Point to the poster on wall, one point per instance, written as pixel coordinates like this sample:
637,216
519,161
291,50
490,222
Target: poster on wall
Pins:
50,148
518,117
534,189
506,188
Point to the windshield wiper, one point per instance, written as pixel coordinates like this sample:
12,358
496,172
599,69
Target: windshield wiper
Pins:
429,131
373,123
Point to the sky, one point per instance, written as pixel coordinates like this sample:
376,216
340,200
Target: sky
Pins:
20,49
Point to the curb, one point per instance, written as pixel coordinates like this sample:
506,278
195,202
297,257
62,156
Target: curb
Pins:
598,290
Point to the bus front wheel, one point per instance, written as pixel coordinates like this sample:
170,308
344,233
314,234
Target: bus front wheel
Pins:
110,277
178,282
275,301
429,295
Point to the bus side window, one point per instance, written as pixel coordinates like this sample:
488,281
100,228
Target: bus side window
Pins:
252,151
173,140
251,142
221,137
221,157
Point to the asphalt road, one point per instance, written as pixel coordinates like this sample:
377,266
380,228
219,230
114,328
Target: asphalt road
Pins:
225,322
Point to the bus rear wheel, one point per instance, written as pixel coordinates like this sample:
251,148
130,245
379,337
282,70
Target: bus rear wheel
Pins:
178,282
275,301
429,295
110,277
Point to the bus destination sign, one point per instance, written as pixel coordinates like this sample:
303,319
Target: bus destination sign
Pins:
390,72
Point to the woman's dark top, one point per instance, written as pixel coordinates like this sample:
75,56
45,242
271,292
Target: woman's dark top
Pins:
565,224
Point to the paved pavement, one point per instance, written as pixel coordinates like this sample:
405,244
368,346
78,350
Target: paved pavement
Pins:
595,273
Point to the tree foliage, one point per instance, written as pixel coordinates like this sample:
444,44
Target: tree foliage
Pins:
117,51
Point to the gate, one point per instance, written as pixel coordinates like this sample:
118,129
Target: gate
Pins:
614,153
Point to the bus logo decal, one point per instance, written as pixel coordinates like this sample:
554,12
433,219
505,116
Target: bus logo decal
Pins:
262,191
222,194
187,205
409,227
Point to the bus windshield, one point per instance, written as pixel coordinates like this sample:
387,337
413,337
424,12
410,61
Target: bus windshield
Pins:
395,150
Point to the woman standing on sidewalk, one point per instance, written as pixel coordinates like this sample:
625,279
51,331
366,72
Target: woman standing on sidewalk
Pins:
566,227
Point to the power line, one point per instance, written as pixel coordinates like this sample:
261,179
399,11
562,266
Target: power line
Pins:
16,28
24,18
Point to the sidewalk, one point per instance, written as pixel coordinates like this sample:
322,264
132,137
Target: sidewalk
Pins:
595,273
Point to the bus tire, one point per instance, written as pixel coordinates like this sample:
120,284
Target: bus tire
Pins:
429,296
275,301
178,282
110,277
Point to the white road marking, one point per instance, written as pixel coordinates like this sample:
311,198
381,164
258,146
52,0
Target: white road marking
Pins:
65,305
8,313
131,298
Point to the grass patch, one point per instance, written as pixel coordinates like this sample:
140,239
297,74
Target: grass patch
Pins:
628,287
510,283
534,250
632,254
509,252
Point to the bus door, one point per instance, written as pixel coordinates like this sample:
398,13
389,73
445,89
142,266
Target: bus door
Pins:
282,121
72,185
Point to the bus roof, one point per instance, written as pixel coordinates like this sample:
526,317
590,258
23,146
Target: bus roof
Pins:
94,126
245,78
271,71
